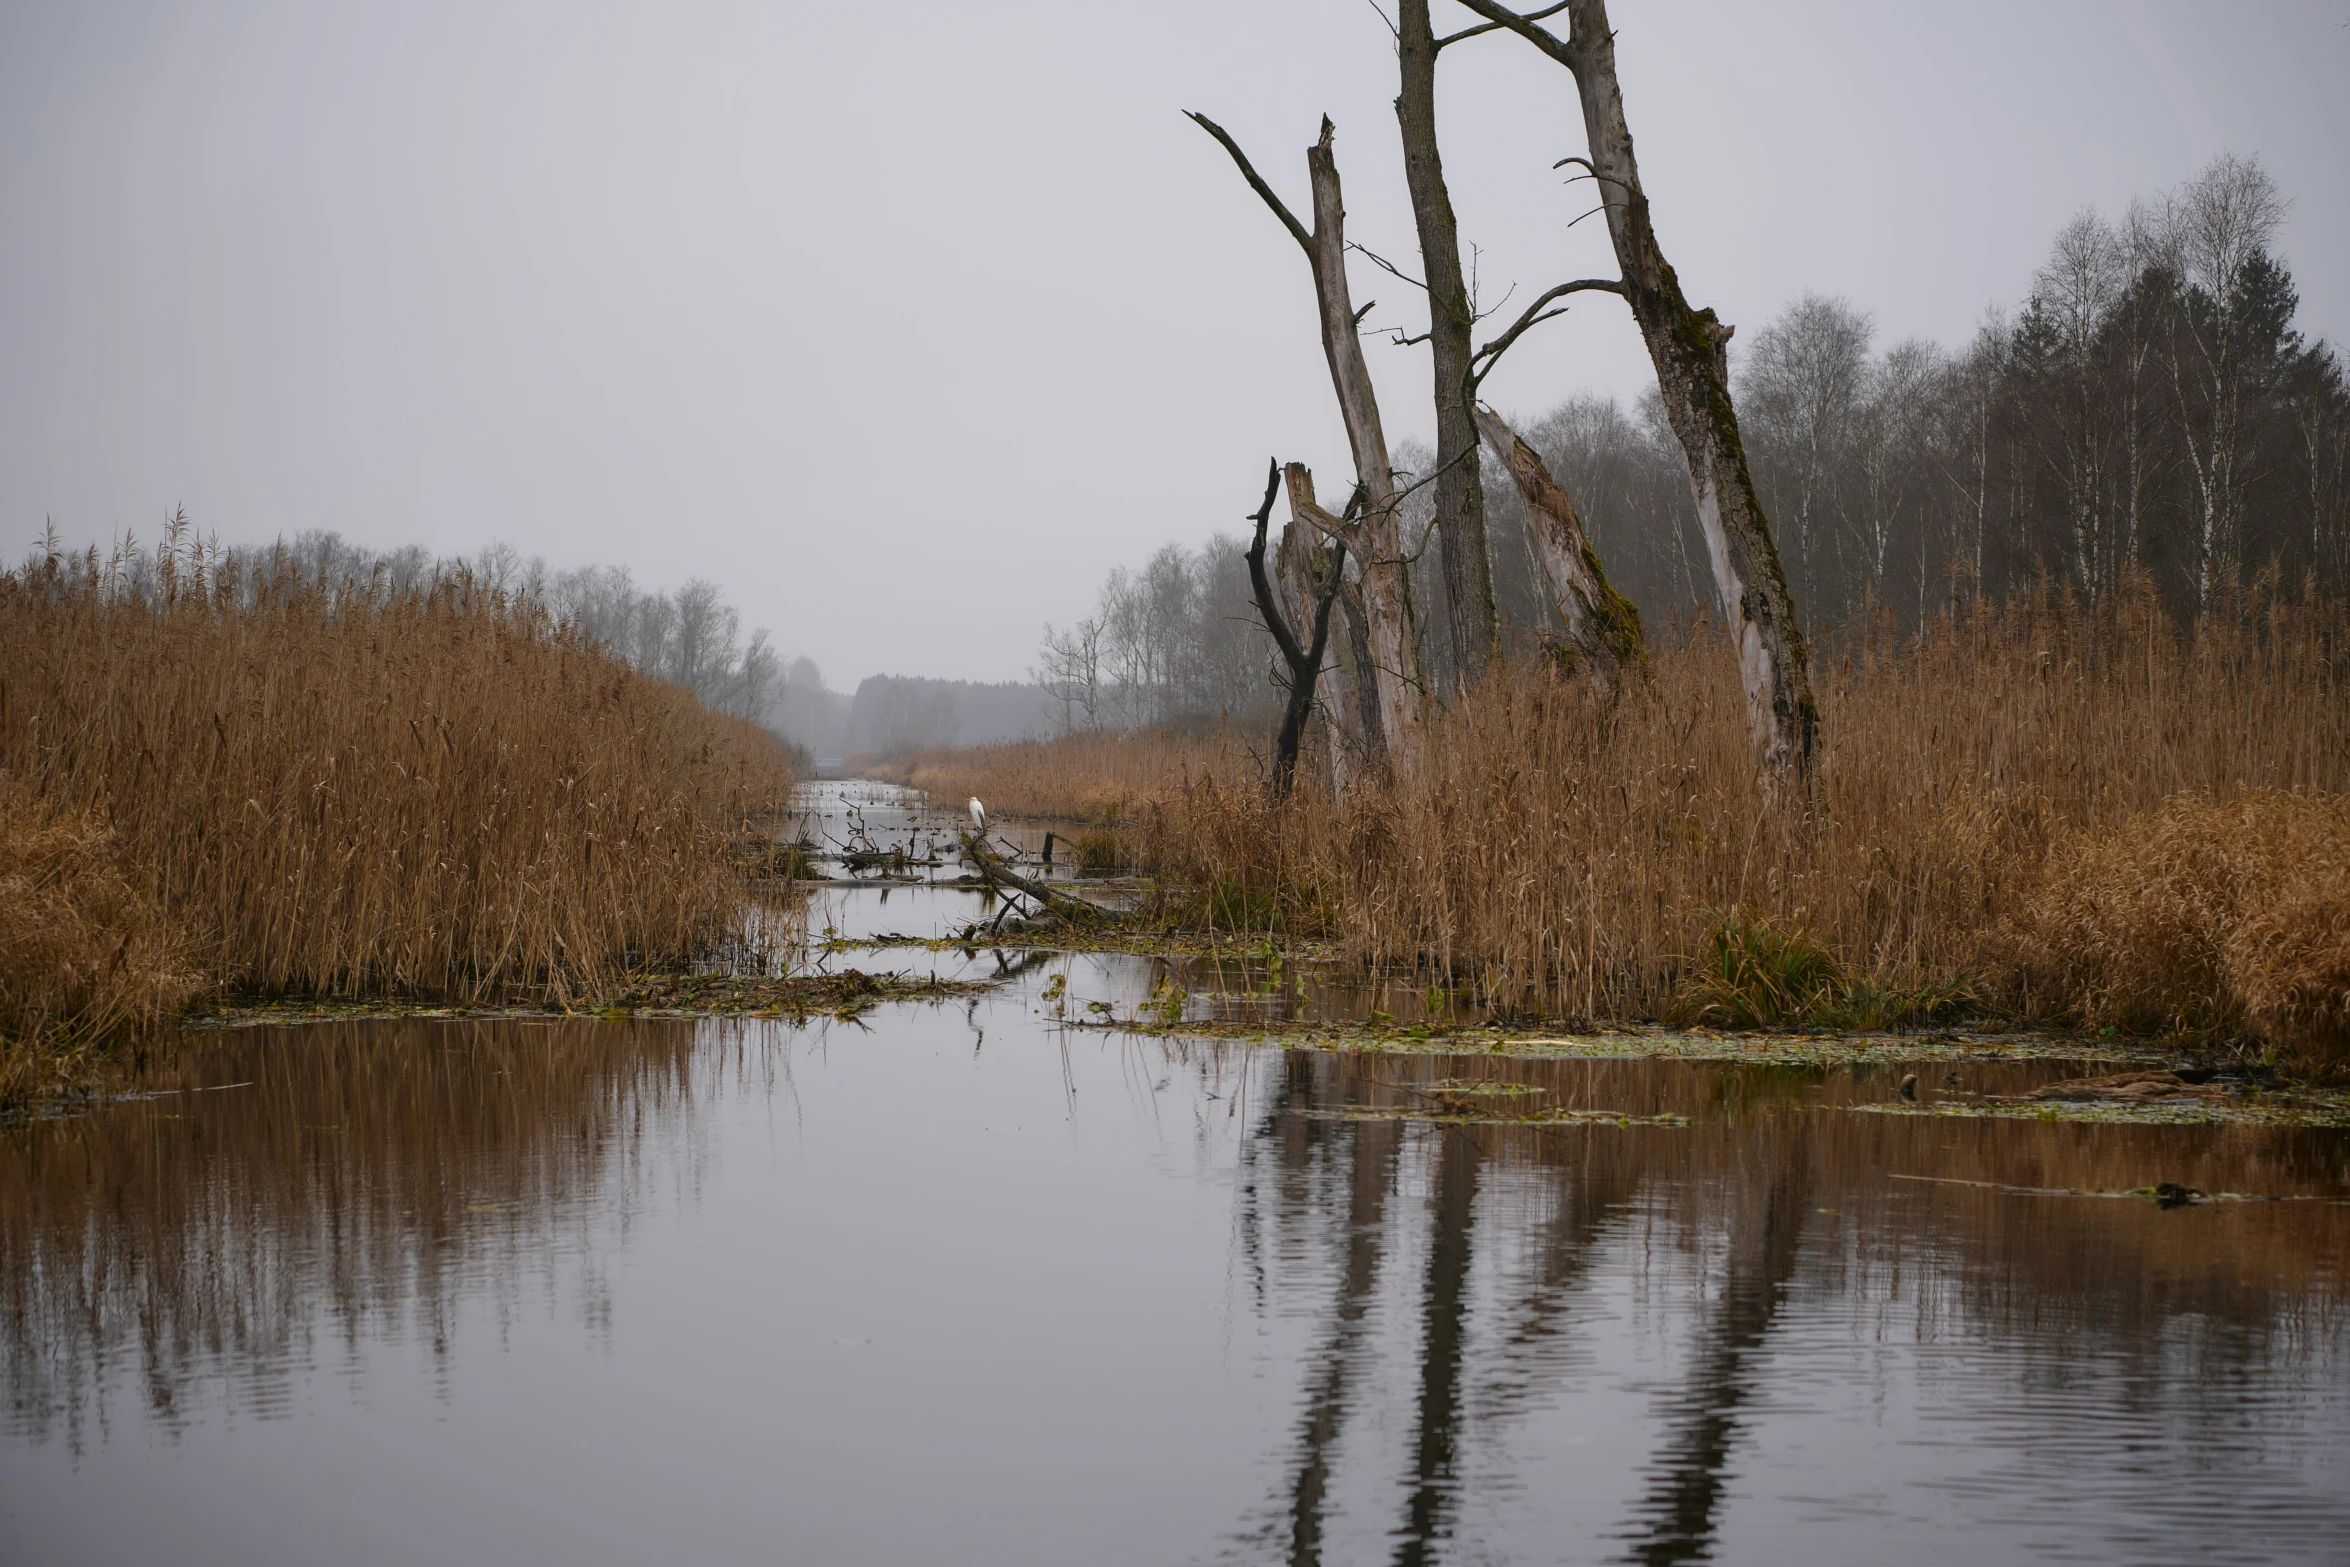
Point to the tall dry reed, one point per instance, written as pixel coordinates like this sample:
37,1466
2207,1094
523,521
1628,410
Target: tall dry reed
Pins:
85,957
1081,778
1561,852
431,794
2203,917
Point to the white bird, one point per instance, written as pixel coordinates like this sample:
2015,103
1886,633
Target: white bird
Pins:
978,815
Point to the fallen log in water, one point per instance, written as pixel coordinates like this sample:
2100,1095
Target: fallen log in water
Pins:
998,873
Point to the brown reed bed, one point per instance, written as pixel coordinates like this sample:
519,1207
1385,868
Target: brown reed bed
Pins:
434,794
1583,858
1080,778
85,956
2203,918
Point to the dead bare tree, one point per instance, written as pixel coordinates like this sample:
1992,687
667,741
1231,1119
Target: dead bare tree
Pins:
1386,587
1361,730
1300,559
1471,625
1304,659
1689,348
1602,639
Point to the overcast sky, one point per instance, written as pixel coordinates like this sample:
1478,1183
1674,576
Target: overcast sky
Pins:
907,323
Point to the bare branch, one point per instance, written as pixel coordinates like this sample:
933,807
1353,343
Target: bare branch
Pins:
1508,294
1525,27
1487,27
1256,182
1387,265
1590,174
1534,315
1429,478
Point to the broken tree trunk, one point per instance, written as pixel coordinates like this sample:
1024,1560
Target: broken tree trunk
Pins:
1370,684
1302,557
1362,728
1394,670
1602,638
1301,650
1689,348
1472,627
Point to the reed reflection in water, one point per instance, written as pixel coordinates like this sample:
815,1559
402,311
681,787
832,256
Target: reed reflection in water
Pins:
958,1287
284,1195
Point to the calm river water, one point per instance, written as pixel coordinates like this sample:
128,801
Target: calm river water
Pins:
958,1285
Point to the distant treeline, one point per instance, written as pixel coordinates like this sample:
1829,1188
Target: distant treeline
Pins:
893,715
2150,406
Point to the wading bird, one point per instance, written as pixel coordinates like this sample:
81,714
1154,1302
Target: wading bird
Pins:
978,815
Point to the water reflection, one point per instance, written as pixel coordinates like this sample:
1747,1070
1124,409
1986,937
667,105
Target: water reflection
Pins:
2130,1352
957,1286
282,1195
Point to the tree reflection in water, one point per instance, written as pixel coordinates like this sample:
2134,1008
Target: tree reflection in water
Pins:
1734,1200
1448,1304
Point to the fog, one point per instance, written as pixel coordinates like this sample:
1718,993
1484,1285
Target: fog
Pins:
904,326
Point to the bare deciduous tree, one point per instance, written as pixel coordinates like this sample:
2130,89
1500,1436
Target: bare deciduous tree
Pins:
1452,319
1362,730
1069,668
1301,650
1689,347
1385,585
1802,385
1304,559
2217,230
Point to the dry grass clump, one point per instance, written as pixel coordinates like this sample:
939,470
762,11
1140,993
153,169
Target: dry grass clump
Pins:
1079,778
1557,851
2203,918
84,955
433,794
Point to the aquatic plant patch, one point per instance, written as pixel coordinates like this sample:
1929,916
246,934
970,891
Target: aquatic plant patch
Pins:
842,995
2260,1109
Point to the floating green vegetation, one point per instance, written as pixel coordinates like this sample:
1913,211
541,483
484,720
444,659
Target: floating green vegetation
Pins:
844,995
2163,1194
2250,1109
1481,1087
1451,1115
1135,940
1696,1044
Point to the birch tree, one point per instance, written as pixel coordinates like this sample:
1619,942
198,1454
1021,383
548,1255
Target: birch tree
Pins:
2215,227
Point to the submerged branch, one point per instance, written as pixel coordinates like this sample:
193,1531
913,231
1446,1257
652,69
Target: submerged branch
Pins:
997,872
